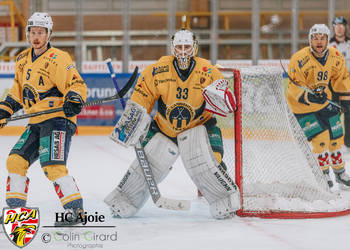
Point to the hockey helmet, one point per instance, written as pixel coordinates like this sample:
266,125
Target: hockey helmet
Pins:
319,29
40,19
178,41
339,20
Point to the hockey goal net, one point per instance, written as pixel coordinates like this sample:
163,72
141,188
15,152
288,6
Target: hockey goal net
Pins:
266,150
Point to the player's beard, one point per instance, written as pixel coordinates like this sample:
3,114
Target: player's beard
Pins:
318,52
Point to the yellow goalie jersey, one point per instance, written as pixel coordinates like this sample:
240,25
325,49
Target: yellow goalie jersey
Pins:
330,77
180,102
43,84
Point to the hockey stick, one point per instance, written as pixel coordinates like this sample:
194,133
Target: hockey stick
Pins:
153,189
117,96
108,61
158,200
306,89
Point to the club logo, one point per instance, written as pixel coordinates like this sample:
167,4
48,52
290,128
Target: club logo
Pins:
206,69
30,95
180,115
20,224
53,56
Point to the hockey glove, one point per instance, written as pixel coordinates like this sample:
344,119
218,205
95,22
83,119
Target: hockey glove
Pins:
219,98
73,103
132,126
3,115
317,98
3,123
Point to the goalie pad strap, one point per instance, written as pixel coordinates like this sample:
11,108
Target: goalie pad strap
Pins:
209,176
132,125
132,191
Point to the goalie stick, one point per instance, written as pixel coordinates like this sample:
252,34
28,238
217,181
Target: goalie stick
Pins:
306,88
117,96
153,189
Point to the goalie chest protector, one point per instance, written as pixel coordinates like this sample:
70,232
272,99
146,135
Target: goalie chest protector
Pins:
180,101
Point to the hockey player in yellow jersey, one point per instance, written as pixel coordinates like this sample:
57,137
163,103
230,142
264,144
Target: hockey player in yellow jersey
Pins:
45,78
187,90
322,70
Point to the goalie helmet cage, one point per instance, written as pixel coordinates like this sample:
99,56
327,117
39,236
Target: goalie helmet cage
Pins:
275,169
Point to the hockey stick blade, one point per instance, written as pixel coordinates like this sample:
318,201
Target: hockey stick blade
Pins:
306,88
171,204
117,96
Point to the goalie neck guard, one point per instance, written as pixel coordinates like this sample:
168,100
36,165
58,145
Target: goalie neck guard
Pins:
184,46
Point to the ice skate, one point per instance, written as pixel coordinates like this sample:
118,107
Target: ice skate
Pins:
343,180
71,217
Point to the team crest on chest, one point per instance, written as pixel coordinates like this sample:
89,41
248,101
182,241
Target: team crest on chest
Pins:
179,115
21,224
30,95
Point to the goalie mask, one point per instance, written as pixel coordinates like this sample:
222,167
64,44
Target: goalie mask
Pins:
184,46
320,29
40,19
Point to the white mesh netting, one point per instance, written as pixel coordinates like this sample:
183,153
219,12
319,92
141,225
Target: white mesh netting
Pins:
279,172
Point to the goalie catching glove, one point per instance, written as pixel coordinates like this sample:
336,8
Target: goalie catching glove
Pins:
219,98
132,125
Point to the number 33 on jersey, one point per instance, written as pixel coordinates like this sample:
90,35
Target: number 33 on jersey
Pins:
180,102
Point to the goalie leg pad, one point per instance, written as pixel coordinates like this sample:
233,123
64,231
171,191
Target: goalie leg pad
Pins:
132,192
208,175
132,125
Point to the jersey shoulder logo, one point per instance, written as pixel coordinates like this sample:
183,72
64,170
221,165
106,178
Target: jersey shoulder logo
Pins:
207,69
53,55
22,55
160,69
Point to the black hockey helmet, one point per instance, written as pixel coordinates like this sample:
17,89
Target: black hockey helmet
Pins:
339,20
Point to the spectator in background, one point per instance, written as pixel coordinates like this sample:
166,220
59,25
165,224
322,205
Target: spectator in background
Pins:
342,42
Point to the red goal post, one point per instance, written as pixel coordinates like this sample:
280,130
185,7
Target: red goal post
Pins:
267,152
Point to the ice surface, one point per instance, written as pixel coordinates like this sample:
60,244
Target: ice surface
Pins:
98,164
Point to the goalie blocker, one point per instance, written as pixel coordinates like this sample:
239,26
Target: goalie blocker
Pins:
132,125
